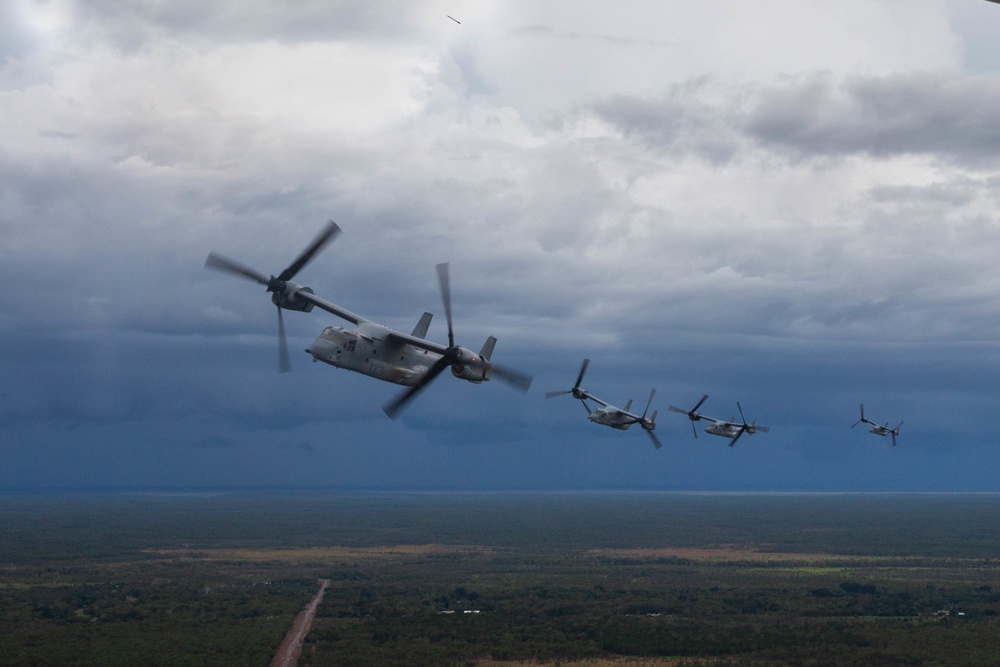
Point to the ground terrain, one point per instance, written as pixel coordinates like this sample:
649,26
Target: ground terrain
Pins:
632,580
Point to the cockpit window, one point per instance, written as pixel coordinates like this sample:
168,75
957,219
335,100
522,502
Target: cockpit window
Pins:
335,334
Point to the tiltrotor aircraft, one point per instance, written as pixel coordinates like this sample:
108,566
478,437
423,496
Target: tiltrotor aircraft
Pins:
727,429
609,415
878,429
370,348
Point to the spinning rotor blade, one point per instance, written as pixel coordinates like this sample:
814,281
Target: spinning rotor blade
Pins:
652,393
277,285
515,379
692,414
742,418
393,407
220,263
444,281
862,416
583,369
649,425
284,362
656,441
324,237
455,355
743,430
576,386
674,408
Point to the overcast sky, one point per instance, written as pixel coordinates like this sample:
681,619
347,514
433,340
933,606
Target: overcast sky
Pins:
791,204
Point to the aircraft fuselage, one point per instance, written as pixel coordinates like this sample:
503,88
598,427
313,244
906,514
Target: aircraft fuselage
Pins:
724,430
368,350
612,417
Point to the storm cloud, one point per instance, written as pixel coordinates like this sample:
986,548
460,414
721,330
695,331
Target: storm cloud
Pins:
790,205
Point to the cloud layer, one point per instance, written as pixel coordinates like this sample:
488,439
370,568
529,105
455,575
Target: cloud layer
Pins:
790,205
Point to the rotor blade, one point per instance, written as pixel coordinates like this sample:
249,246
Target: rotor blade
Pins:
738,436
444,281
220,263
515,379
284,363
393,407
893,438
762,429
583,369
331,230
698,405
856,423
741,413
694,430
656,441
553,394
649,402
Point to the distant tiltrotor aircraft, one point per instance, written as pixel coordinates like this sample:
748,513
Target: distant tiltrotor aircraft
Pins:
609,415
727,429
878,429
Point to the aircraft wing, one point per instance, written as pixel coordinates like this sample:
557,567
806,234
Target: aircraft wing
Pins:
588,396
331,308
422,343
714,420
625,413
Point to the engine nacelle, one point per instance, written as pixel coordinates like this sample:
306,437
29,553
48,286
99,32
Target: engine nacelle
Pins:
472,372
288,300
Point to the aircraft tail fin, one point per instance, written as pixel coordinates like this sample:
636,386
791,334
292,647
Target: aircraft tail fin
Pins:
420,331
628,406
488,346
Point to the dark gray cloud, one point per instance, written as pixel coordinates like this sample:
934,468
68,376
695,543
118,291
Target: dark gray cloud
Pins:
949,115
678,123
944,115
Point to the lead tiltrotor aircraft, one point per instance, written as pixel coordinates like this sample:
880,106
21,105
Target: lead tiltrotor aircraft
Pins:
727,429
878,429
370,348
609,415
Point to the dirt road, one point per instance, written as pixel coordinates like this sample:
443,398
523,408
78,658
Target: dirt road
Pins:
291,646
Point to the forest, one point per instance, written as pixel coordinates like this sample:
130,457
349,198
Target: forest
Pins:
501,579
